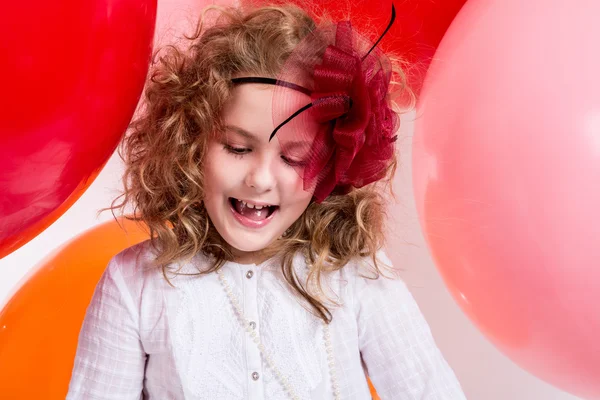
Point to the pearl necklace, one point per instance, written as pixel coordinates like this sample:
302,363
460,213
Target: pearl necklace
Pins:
267,357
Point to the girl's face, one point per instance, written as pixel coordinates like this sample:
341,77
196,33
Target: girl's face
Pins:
252,193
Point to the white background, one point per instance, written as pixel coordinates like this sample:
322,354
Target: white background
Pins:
483,371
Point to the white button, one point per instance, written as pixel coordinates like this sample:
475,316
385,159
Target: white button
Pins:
249,274
252,324
255,376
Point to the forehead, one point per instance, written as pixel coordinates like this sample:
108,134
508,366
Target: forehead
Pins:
249,102
252,108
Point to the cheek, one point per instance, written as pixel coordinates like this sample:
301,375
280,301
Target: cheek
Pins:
218,174
292,181
294,187
211,173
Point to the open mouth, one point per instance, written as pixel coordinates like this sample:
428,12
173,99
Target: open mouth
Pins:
251,211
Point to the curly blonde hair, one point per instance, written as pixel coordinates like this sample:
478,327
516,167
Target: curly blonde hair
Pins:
165,147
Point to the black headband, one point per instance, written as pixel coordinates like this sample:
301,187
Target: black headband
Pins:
277,82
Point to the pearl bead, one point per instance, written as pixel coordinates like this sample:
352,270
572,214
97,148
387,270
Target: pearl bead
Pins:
267,357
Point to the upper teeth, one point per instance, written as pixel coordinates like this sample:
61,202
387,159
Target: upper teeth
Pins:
250,205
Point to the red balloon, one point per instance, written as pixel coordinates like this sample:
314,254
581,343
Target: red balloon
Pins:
418,30
73,72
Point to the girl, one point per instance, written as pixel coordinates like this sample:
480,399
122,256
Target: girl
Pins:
259,163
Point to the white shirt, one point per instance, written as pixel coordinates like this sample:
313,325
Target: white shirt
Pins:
144,339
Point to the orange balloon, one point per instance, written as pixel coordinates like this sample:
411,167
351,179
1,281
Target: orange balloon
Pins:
373,392
40,323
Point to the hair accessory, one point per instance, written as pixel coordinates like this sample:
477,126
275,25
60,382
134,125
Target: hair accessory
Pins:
335,124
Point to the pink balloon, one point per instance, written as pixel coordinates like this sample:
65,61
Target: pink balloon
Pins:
506,161
177,18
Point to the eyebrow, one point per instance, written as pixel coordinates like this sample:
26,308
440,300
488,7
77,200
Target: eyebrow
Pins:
242,132
253,137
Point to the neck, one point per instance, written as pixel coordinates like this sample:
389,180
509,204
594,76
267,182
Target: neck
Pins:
255,257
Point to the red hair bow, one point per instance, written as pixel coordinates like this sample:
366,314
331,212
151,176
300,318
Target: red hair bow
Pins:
344,138
356,141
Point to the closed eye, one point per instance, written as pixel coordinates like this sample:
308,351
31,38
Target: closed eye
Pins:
292,162
239,151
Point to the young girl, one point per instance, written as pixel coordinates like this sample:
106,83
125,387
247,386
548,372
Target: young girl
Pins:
259,162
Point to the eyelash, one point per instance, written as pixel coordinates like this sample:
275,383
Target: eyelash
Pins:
239,152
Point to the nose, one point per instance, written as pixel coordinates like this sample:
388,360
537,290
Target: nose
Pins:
260,175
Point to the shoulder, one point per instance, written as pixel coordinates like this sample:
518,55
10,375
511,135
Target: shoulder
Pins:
133,260
375,280
376,268
134,268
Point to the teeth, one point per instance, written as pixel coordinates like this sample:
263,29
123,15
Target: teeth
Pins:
250,205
